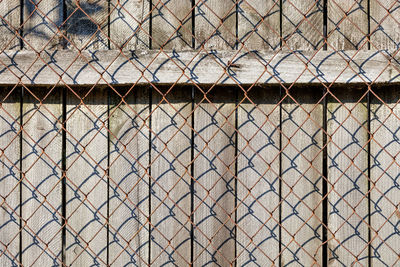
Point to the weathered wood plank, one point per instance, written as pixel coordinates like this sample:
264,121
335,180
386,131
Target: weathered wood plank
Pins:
259,24
41,188
302,120
214,171
215,24
200,68
9,177
129,180
42,20
385,197
129,24
10,12
385,30
87,24
172,24
171,178
302,24
347,176
86,184
258,178
347,24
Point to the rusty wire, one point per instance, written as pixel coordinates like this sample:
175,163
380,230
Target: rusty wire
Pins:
73,245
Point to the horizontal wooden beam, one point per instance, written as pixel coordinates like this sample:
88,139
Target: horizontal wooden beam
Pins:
229,67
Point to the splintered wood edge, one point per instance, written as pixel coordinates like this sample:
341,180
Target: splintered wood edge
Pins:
113,67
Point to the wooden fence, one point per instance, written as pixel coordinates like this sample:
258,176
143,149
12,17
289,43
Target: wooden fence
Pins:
199,133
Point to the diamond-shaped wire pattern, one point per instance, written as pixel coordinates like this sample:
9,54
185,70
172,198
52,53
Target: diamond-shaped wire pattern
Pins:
199,133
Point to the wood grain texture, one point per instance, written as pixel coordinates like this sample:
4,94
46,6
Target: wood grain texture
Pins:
385,197
347,24
172,24
129,24
41,188
171,177
302,177
385,32
302,24
9,176
42,20
199,68
86,185
10,12
214,171
259,25
347,176
87,24
129,180
215,24
258,178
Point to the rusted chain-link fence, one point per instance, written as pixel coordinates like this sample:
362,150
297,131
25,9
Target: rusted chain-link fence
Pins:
199,133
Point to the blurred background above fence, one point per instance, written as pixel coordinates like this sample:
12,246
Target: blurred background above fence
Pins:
199,133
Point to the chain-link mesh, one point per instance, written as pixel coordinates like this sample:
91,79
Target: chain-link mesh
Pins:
199,132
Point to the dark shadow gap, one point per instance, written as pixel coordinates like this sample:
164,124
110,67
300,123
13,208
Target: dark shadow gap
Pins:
64,182
21,176
325,21
369,175
236,169
149,169
280,173
325,181
192,182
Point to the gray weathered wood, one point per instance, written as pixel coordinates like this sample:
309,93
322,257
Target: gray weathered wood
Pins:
385,197
200,68
9,177
41,188
214,171
347,178
87,24
258,178
347,24
86,184
385,30
129,181
259,25
10,12
172,24
171,177
302,115
42,20
129,24
302,24
215,24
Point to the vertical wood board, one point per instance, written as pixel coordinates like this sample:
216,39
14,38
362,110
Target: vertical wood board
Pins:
86,184
171,177
41,187
87,24
259,25
129,180
214,169
347,24
385,199
172,24
302,24
385,28
257,240
9,176
42,20
10,12
129,24
348,181
302,121
215,24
